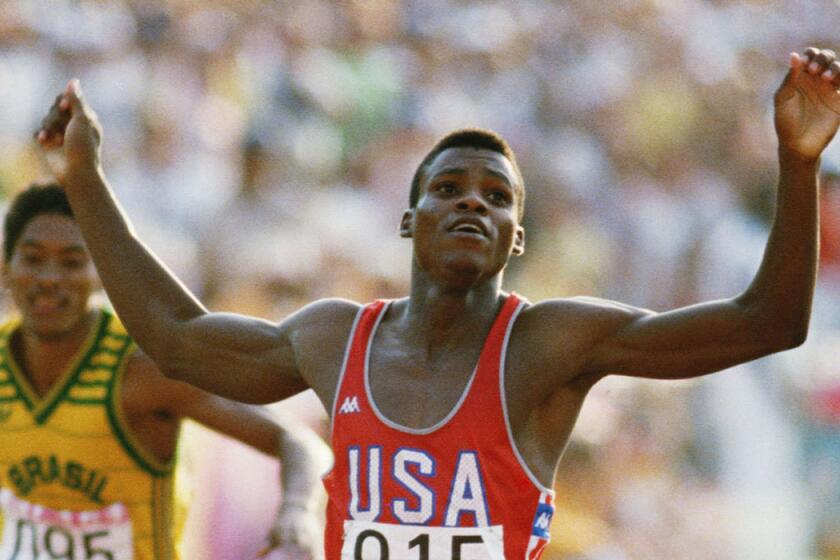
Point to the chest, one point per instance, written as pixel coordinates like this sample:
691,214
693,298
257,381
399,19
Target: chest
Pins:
417,389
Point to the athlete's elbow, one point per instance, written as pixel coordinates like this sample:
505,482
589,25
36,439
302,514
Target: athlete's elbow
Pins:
797,337
786,336
776,328
797,328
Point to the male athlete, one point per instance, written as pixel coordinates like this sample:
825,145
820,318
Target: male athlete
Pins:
451,407
89,426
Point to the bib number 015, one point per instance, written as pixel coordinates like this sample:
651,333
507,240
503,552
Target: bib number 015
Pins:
364,540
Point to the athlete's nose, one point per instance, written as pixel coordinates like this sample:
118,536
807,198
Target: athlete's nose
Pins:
48,273
471,202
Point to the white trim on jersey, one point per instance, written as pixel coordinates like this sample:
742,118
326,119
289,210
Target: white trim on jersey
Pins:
384,419
343,369
502,363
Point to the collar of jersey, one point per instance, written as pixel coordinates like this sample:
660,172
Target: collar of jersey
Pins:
43,406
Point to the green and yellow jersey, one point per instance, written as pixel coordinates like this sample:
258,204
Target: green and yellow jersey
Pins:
74,481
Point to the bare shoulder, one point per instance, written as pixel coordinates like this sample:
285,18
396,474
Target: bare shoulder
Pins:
318,334
579,316
141,368
144,388
329,308
556,336
326,319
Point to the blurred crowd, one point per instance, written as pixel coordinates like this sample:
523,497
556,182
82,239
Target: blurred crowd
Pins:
264,150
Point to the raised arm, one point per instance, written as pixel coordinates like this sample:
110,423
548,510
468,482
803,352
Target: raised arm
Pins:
238,357
772,314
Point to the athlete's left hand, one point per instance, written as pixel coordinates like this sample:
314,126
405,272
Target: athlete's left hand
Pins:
297,535
70,135
808,103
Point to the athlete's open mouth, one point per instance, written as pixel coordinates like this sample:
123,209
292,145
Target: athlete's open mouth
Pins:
469,225
46,304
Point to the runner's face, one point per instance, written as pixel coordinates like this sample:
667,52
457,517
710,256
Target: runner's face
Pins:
465,224
51,276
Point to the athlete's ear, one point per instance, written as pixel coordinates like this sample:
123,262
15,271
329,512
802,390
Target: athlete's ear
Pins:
519,241
407,223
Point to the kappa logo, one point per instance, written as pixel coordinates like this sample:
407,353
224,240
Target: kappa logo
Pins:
350,404
543,522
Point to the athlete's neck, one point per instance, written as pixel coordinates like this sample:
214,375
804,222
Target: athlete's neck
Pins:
45,358
434,311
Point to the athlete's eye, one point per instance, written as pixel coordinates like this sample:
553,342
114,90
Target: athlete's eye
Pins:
500,198
446,187
31,258
74,263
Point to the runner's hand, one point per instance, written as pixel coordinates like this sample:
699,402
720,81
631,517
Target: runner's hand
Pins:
297,535
808,103
70,135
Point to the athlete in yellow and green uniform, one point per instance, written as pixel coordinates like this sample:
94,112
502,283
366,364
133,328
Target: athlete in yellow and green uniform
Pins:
89,426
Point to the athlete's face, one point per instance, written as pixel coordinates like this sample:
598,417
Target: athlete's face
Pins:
51,276
465,224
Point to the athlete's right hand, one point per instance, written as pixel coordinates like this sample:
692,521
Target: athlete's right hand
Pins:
70,135
297,534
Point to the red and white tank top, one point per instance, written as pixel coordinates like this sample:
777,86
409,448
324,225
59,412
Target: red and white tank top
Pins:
455,490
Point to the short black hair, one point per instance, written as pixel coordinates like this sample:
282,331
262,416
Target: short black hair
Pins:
27,204
478,138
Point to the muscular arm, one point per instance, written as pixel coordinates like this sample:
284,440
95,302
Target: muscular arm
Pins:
242,358
772,314
256,361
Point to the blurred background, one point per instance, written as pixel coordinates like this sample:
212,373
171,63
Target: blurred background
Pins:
265,150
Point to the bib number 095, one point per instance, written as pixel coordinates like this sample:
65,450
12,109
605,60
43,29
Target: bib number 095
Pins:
57,543
35,532
382,541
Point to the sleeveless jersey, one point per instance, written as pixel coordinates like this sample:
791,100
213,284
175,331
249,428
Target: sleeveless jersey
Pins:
456,490
74,482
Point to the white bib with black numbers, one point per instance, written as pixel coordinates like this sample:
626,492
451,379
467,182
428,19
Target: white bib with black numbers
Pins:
33,532
366,540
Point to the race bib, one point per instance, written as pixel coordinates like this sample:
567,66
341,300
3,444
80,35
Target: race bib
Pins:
365,540
33,532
